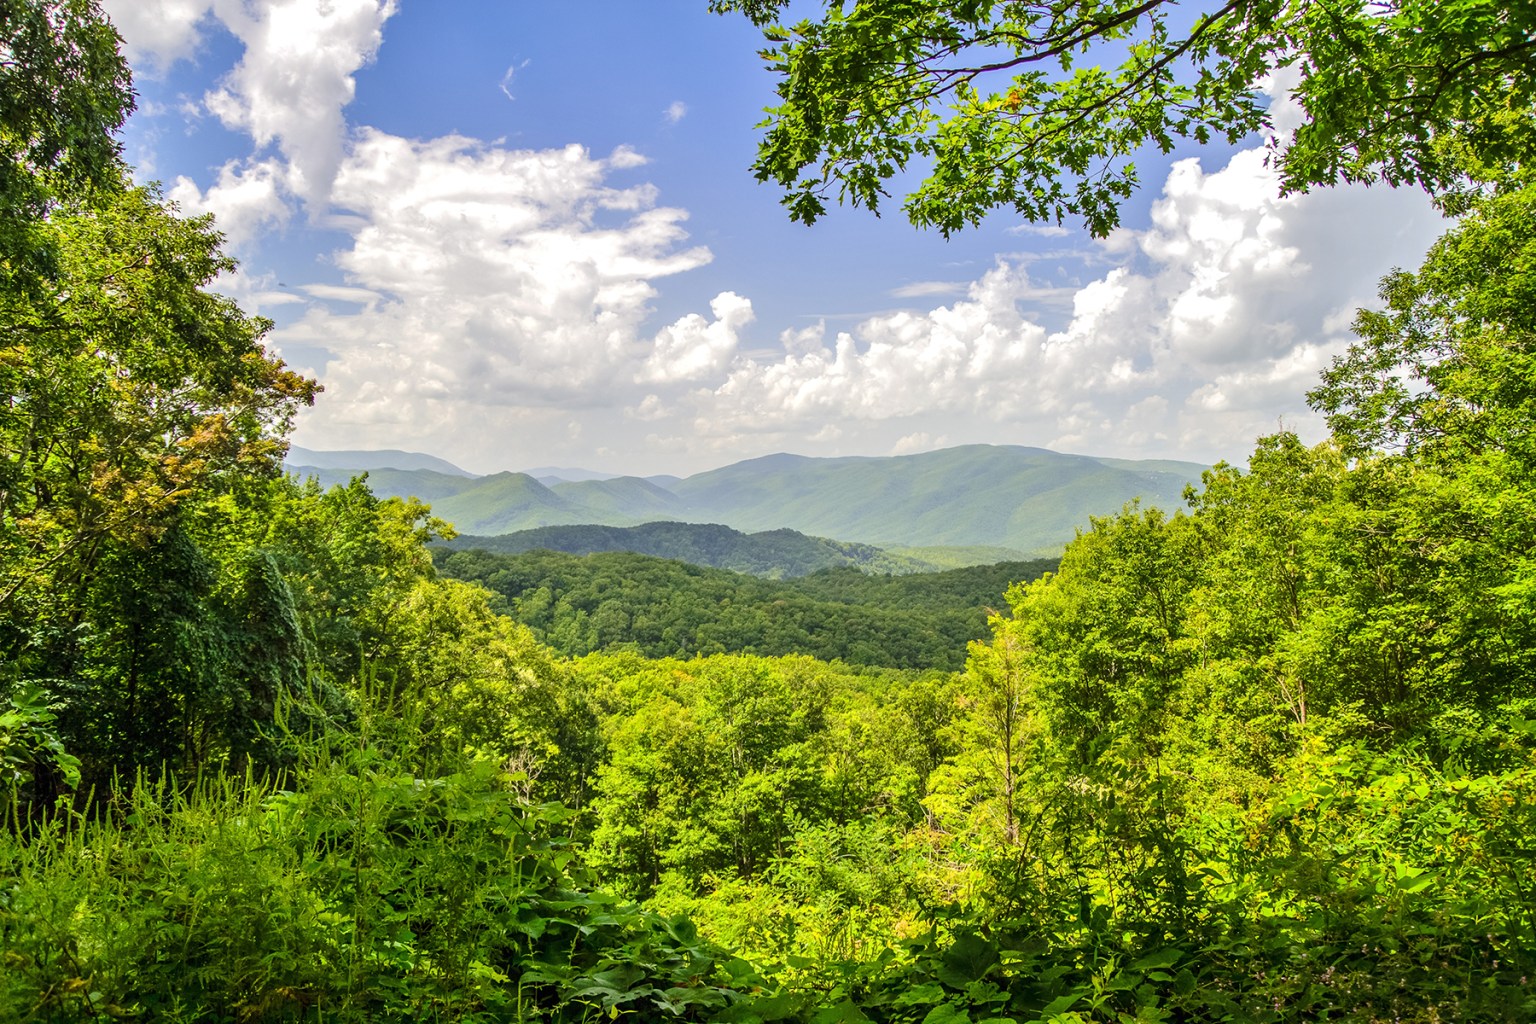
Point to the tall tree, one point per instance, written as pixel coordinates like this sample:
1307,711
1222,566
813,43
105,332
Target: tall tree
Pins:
134,398
64,93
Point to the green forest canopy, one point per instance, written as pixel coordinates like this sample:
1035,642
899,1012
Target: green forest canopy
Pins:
1270,758
579,604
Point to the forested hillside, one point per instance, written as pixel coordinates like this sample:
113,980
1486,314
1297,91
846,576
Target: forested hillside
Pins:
664,608
772,553
1269,757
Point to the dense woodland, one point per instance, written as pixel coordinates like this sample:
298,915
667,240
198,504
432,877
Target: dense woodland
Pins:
775,554
1268,757
580,604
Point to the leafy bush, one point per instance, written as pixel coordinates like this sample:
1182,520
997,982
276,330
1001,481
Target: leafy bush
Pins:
356,891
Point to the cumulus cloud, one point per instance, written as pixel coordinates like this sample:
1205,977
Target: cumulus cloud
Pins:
246,201
158,33
1286,113
292,83
488,292
921,441
509,279
296,77
693,348
1216,320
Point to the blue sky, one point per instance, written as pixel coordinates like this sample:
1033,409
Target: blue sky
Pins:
518,234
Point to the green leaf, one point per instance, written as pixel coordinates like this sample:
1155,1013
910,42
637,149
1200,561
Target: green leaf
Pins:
967,959
1159,960
845,1012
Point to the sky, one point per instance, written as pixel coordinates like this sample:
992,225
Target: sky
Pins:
519,233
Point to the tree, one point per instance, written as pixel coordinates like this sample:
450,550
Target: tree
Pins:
64,93
1040,106
135,401
1441,391
131,390
1446,373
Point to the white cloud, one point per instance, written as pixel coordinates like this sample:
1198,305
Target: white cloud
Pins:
1286,113
158,33
693,348
296,77
948,359
922,441
651,407
928,289
1217,320
511,280
804,340
342,293
493,293
1040,230
246,202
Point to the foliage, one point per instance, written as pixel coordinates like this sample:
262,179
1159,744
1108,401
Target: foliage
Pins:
354,890
1436,400
763,798
64,93
1272,758
1445,372
774,554
616,601
132,388
1040,106
28,738
137,400
712,764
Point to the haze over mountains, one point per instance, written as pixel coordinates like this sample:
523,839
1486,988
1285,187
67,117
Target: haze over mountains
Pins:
777,554
1026,500
384,458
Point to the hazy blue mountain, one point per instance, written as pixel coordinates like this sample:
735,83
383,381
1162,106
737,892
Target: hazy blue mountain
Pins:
361,460
426,484
624,498
504,502
774,554
551,475
1020,500
1027,499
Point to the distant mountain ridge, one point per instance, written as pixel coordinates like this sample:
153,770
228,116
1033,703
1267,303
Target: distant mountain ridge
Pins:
388,458
1027,500
774,554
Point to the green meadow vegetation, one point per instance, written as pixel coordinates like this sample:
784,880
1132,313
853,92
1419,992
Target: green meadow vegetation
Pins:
1269,757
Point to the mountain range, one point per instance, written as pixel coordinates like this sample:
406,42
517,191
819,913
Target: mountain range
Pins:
775,554
1026,501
